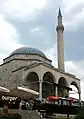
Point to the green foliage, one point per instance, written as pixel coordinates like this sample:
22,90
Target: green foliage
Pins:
80,114
60,109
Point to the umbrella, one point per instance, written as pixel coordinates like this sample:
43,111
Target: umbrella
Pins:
24,92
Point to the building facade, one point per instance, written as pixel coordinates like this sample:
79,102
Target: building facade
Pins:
31,68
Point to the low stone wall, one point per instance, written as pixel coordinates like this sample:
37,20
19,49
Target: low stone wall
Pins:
27,114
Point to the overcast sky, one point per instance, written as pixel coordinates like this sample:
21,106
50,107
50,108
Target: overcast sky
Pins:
33,23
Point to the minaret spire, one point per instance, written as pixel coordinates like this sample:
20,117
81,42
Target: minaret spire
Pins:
59,13
60,46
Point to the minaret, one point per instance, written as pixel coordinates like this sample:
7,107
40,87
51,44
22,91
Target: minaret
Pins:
60,46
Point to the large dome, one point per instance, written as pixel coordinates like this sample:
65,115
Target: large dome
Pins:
28,50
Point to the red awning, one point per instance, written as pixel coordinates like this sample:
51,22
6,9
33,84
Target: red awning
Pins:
73,99
52,98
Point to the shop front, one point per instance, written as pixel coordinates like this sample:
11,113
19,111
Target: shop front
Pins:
11,101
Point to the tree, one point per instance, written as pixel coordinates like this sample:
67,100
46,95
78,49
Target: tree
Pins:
80,114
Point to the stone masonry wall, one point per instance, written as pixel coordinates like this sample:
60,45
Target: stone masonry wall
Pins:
7,77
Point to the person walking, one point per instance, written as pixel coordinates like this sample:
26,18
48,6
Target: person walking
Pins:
23,105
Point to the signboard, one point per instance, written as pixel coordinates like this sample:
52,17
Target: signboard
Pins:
11,101
9,98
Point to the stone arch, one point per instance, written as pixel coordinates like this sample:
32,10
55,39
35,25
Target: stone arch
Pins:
75,84
48,87
62,87
32,81
75,89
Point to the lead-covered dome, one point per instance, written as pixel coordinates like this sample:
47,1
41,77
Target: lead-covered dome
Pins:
28,50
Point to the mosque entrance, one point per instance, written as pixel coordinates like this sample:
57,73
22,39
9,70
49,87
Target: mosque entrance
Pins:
32,81
48,87
62,87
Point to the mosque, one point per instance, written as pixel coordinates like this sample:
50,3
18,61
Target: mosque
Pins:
30,67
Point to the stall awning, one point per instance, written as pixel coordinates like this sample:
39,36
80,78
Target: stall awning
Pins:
28,90
3,89
52,98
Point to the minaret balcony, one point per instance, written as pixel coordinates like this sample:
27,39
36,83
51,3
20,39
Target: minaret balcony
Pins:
60,27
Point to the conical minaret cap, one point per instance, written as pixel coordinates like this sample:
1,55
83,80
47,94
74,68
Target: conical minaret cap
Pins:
59,13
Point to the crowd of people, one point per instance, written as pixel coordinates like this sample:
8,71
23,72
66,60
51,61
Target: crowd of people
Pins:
31,104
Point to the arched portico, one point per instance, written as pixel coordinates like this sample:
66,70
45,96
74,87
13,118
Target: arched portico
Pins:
48,87
62,87
75,90
76,85
32,81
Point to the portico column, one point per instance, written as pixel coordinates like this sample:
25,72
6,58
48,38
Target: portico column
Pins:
40,89
56,91
68,93
79,97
